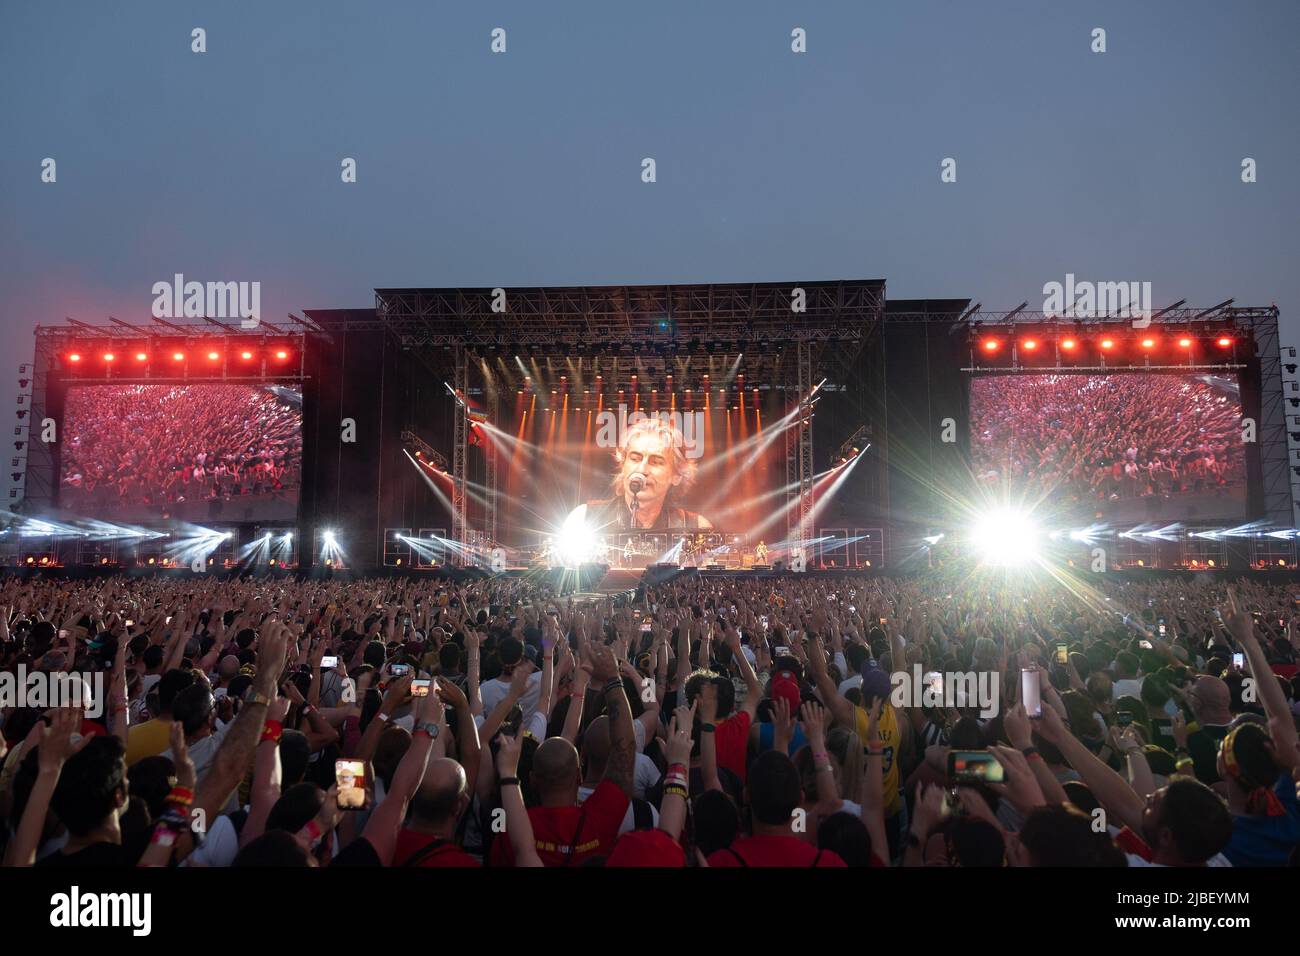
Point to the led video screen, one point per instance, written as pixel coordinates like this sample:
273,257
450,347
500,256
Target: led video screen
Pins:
636,473
196,452
1123,447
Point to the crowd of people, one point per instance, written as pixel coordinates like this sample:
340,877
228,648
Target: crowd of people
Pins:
140,448
1093,438
739,722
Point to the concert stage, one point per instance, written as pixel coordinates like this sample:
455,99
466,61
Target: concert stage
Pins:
802,426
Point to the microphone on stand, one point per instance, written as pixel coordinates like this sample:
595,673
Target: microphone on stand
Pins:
635,483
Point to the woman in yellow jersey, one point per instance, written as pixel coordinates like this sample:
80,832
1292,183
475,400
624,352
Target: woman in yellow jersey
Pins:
891,733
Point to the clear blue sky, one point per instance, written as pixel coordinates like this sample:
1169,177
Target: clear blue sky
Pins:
524,168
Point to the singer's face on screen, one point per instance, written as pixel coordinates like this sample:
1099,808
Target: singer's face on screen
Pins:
651,455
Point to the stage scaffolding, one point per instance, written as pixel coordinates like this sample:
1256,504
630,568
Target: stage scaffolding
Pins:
787,332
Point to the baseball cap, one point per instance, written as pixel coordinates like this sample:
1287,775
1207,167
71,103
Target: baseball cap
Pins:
785,686
875,682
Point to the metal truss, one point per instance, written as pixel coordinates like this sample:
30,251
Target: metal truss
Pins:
1274,455
460,456
492,451
799,465
636,317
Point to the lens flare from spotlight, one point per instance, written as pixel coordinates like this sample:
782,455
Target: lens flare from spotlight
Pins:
1006,538
576,543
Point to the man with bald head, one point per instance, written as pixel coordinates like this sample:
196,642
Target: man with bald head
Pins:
568,834
595,758
429,837
227,670
1210,700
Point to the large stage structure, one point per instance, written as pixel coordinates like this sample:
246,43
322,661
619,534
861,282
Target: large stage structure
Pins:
396,400
792,336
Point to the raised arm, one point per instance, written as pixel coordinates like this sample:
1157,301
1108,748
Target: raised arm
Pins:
622,740
518,824
839,706
672,812
55,746
266,773
1111,790
1281,726
386,819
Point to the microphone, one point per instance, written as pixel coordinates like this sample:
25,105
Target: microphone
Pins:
635,483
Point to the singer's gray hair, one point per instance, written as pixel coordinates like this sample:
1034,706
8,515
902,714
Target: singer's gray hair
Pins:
671,437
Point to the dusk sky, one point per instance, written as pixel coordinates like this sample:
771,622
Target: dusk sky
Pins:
524,168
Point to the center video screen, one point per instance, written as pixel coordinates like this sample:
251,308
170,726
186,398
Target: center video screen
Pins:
1123,447
639,480
200,452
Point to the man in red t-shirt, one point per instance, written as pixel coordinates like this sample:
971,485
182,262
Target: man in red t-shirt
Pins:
429,839
774,794
565,833
731,735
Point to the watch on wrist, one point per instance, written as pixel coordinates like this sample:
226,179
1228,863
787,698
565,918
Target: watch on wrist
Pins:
259,699
430,728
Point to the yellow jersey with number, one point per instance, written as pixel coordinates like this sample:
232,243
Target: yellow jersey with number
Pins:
888,737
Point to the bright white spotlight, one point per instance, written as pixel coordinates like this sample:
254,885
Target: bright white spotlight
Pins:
576,542
288,537
329,539
1005,537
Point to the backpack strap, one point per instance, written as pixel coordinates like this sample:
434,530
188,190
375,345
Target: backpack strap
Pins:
577,836
739,859
642,817
817,859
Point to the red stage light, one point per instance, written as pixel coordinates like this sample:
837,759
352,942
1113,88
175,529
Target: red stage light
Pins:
213,356
1068,344
1107,343
1148,343
246,355
178,356
281,355
991,345
1224,342
74,357
1185,343
141,357
109,356
1029,345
